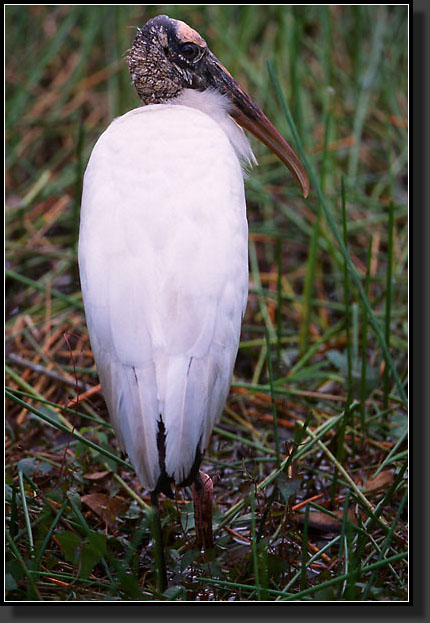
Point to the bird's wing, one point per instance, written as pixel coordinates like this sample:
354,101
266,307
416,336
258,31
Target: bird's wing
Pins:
163,263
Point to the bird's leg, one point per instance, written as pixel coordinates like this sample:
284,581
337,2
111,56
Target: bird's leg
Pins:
158,548
202,497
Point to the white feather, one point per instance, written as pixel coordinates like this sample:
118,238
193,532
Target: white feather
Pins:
164,275
218,106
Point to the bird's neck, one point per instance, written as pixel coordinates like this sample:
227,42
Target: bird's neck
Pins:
217,107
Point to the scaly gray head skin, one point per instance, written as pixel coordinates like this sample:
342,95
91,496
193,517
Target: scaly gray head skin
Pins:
168,56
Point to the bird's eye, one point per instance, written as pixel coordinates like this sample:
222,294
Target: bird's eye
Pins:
190,51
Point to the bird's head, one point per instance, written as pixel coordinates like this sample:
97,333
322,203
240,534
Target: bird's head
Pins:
167,56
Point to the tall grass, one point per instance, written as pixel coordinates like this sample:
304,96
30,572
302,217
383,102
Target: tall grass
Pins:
310,458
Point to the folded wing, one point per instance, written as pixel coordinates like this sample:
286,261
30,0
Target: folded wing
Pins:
164,275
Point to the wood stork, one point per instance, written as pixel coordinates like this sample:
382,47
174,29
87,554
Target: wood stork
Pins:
163,250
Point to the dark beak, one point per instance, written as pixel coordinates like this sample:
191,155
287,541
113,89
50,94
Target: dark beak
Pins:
250,116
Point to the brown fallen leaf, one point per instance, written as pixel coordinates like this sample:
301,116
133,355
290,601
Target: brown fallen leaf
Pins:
383,479
96,475
326,523
105,507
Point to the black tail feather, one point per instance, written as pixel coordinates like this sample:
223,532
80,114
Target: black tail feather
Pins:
164,482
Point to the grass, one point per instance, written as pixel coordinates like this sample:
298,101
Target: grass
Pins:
310,458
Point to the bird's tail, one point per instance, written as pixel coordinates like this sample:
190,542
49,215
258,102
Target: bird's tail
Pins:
195,392
132,402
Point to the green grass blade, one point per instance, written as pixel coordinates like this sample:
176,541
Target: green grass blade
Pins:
70,431
389,293
25,511
327,213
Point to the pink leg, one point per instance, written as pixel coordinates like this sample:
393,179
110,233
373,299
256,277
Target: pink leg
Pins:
202,497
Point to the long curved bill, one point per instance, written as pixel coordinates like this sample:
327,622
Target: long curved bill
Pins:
250,116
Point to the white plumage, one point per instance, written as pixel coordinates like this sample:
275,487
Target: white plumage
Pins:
163,253
164,273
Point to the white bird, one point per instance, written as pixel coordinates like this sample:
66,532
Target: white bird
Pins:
163,250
